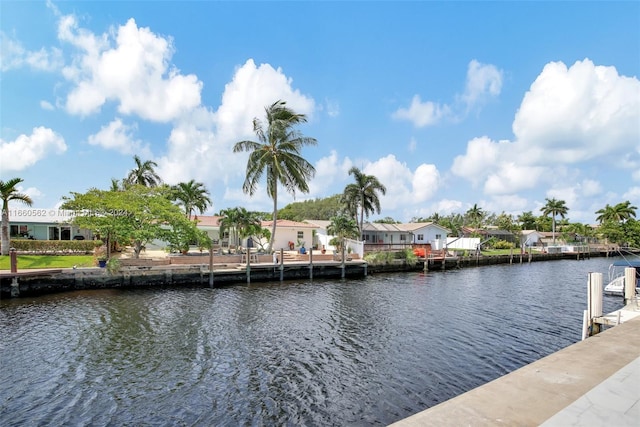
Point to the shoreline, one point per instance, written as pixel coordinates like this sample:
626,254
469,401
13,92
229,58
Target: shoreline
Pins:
149,272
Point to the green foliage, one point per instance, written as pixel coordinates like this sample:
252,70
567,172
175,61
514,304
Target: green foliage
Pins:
503,244
320,209
388,257
55,246
386,220
134,216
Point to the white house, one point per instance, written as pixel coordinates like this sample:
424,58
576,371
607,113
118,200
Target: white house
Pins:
426,233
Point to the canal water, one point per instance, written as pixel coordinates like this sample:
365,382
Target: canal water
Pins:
354,352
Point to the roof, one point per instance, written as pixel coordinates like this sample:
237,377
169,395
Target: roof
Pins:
288,223
320,223
378,226
208,221
413,226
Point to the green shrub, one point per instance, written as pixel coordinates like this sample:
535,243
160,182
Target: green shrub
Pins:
51,247
503,244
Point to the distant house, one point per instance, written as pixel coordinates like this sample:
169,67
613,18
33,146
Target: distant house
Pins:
398,236
426,233
45,224
530,238
291,232
322,237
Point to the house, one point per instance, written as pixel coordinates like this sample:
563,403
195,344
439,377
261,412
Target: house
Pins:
45,224
422,233
322,238
530,238
292,232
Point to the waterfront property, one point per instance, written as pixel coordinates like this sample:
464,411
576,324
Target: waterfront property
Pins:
45,224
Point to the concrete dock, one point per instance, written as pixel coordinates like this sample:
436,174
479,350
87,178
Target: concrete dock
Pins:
595,382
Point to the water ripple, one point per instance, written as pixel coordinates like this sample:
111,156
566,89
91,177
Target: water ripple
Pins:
359,352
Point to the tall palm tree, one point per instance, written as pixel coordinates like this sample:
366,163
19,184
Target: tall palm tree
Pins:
143,173
554,207
277,154
193,196
475,216
8,192
362,197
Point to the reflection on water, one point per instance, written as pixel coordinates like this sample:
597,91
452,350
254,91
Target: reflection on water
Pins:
358,352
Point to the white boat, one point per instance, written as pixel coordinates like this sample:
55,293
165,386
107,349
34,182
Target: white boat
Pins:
616,276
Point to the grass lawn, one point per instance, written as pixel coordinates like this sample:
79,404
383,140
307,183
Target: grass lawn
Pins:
47,261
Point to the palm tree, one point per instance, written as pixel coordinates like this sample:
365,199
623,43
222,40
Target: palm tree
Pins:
240,222
143,173
343,227
193,196
618,213
554,207
475,216
8,191
362,196
277,155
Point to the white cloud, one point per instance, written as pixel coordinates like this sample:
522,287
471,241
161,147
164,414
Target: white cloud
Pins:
329,170
118,136
413,144
569,115
633,195
14,55
27,150
404,187
32,192
130,66
574,114
46,105
422,114
483,80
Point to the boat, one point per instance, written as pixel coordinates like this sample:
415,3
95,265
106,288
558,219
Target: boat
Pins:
616,276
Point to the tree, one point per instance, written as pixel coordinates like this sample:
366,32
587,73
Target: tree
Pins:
475,215
240,222
9,192
527,221
343,227
361,197
277,154
135,216
192,196
554,207
618,213
143,174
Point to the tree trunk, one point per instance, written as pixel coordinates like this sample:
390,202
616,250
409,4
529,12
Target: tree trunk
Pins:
5,230
275,217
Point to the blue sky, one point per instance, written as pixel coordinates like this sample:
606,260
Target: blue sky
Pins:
449,104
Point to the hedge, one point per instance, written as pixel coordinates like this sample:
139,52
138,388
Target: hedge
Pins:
55,247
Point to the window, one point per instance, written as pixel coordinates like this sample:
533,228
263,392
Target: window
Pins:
300,235
420,237
438,236
403,237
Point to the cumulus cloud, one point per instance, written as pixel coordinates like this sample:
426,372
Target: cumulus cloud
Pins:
27,150
422,114
404,186
568,116
119,137
46,105
578,113
130,66
14,55
206,138
483,81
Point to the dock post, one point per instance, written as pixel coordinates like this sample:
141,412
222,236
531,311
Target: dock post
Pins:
13,256
594,301
511,256
311,264
343,260
248,265
211,267
629,284
281,264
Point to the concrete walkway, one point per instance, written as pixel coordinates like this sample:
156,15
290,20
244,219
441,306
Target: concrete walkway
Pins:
592,383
